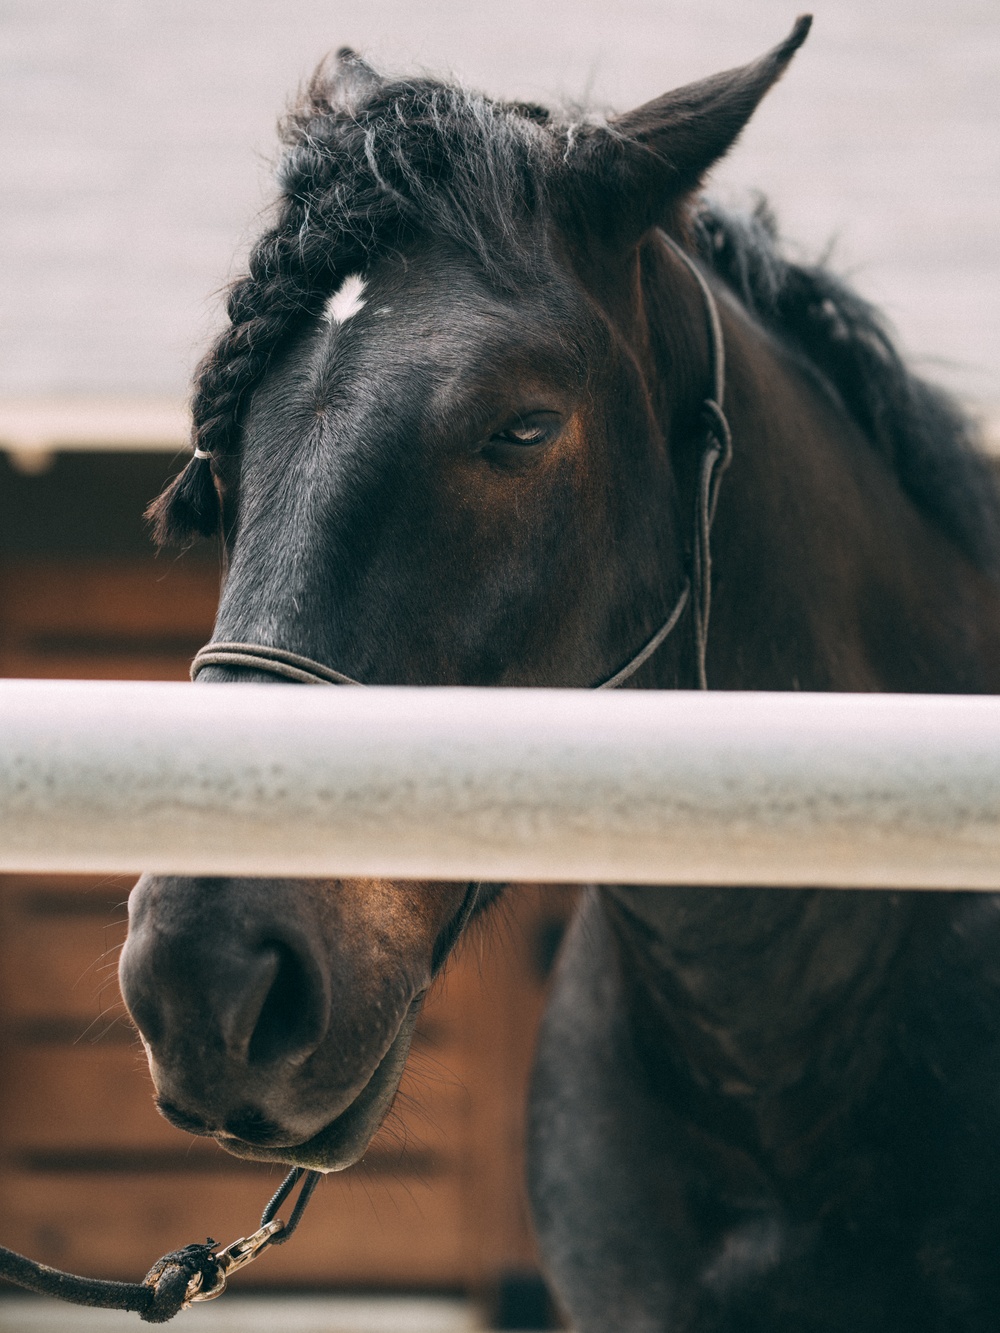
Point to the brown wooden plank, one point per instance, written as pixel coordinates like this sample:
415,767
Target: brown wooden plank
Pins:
45,894
58,951
360,1229
110,598
104,619
85,665
84,1096
61,967
502,1027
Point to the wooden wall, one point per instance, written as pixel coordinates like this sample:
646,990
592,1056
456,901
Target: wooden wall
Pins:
91,1178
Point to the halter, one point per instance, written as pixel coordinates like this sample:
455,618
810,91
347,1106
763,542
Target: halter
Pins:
697,590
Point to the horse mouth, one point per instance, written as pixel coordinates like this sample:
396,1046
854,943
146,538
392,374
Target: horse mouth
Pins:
343,1141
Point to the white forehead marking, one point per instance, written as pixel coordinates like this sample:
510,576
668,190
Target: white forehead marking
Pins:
346,300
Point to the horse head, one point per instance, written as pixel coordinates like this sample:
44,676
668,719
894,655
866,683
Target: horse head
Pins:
446,432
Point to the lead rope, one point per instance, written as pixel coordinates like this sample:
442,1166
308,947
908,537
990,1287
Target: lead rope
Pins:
201,1272
178,1280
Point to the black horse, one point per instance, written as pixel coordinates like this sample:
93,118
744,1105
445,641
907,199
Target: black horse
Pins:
456,433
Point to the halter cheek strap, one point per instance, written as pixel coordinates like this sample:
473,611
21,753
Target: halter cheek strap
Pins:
716,457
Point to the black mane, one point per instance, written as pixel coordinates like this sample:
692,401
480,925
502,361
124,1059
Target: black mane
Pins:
411,154
917,428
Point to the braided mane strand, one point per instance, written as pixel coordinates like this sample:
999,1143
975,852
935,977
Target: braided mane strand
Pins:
367,163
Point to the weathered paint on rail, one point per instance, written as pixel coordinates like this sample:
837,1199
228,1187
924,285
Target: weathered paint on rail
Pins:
560,785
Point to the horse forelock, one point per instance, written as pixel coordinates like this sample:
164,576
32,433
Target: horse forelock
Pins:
360,176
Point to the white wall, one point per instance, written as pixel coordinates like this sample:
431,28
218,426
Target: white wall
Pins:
137,138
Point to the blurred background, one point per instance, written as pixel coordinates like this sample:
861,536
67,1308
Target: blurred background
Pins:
137,151
138,143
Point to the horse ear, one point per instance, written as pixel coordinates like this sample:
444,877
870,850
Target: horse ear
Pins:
349,80
653,156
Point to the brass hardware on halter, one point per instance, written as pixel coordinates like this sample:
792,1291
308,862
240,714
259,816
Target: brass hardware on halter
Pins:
230,1260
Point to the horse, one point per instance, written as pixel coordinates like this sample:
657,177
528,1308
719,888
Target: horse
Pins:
466,426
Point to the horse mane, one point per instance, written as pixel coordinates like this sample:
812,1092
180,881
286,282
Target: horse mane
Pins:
918,429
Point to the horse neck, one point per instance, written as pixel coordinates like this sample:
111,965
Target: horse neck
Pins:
826,575
765,995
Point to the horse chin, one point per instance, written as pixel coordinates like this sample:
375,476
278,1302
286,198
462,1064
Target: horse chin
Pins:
343,1141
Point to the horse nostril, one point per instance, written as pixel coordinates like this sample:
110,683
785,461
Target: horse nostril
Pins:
293,1018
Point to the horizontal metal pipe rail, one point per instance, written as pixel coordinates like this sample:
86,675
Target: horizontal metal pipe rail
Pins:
560,785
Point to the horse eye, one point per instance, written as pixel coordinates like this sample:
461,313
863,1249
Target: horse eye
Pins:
528,431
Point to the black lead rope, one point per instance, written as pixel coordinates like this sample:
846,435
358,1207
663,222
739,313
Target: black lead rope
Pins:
178,1280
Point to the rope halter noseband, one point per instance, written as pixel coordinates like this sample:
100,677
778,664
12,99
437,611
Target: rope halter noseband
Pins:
697,589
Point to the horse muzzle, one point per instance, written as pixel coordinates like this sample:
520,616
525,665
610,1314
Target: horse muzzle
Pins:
272,1020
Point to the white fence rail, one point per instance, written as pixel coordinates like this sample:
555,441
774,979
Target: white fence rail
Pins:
633,787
